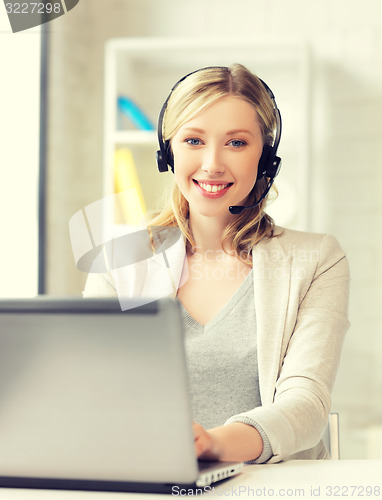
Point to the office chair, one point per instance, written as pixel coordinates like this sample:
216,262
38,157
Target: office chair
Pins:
331,436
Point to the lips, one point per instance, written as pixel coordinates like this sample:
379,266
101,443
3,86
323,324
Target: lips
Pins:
212,189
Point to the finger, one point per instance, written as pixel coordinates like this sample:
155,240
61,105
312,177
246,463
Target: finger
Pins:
203,441
197,429
200,445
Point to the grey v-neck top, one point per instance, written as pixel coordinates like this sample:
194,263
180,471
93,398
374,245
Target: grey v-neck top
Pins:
222,362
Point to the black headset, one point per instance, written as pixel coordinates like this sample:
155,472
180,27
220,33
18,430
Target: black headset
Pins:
269,163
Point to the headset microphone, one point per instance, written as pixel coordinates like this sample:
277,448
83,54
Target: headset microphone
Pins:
237,209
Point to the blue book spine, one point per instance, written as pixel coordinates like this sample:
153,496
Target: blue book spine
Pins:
134,113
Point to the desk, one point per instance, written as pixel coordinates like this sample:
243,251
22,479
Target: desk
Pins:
294,479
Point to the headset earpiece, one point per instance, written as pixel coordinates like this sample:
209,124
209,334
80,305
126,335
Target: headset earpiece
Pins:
269,163
164,157
263,162
274,168
161,162
169,156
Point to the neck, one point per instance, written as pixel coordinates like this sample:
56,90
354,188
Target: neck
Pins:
208,232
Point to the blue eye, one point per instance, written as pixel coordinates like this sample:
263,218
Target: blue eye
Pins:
194,142
236,143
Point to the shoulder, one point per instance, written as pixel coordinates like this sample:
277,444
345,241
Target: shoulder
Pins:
300,244
291,238
315,252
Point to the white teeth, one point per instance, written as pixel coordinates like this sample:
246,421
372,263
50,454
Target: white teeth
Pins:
212,188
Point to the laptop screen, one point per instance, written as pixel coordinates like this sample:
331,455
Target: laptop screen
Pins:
90,392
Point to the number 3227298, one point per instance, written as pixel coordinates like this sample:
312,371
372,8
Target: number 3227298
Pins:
33,8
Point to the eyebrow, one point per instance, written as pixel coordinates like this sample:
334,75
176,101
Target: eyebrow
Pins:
195,129
230,132
239,130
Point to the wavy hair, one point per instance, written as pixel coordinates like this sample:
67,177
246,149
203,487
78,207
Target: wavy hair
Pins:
191,96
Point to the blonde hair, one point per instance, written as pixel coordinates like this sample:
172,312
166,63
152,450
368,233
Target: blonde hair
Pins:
189,97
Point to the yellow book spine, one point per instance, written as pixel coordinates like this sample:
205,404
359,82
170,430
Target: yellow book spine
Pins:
128,188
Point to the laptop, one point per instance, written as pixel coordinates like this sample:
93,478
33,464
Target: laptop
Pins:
95,398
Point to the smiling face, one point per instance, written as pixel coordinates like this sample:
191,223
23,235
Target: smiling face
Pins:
216,155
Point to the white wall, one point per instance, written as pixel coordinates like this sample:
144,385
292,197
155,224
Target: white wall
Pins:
19,153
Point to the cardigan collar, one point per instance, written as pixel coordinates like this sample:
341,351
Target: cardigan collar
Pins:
271,281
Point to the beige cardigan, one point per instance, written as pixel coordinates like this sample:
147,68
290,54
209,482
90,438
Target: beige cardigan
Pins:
301,285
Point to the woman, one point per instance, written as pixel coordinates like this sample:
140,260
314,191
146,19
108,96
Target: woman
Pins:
264,308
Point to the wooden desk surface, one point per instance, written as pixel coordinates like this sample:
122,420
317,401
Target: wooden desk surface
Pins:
294,479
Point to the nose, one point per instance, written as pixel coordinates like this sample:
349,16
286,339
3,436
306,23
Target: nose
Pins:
213,160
